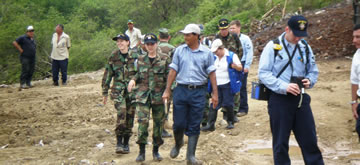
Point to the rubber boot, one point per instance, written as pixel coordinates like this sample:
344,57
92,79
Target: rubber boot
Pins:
165,134
156,155
212,120
126,148
230,117
141,156
190,154
119,145
179,142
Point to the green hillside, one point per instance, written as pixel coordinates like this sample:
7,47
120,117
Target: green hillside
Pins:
92,23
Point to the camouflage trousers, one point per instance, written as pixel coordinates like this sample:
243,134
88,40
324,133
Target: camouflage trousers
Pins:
158,115
125,117
206,110
236,102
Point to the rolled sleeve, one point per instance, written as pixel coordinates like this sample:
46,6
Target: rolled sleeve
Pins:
211,67
175,61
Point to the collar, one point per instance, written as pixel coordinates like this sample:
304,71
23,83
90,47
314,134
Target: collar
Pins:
201,48
287,43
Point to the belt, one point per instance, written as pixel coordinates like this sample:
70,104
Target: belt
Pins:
190,86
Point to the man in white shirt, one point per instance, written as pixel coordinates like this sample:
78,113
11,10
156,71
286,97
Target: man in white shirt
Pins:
134,35
60,54
355,78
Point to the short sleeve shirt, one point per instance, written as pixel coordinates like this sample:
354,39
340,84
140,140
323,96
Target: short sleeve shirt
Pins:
60,49
135,36
28,45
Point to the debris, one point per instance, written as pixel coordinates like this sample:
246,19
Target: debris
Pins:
4,86
85,161
5,146
222,135
41,143
72,158
108,131
100,145
319,12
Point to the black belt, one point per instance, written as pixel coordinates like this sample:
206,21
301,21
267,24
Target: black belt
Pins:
190,86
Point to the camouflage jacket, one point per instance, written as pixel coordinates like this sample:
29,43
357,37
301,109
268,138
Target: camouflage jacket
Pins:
167,48
233,43
121,70
151,77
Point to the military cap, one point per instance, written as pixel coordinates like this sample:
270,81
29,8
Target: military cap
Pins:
223,23
298,25
121,36
150,38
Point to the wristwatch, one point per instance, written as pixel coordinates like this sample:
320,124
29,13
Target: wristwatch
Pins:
353,102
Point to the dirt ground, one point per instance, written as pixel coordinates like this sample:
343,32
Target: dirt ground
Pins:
64,125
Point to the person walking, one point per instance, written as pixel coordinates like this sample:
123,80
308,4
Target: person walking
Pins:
246,61
134,35
287,67
191,65
228,68
120,68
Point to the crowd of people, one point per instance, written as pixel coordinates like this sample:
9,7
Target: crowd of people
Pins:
199,78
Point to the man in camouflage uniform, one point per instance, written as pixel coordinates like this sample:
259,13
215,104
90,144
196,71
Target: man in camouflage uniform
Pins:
166,48
151,83
121,68
231,42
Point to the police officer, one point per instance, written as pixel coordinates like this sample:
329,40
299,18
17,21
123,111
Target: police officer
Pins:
246,60
119,69
166,48
287,72
151,82
231,42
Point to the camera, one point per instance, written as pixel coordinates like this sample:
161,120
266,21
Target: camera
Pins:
298,81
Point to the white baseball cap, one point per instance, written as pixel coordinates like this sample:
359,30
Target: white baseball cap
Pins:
215,45
191,28
29,28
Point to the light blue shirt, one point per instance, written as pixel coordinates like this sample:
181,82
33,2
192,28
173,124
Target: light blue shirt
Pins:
248,50
269,68
192,66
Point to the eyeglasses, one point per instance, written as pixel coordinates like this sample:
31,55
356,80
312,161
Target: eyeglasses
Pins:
30,30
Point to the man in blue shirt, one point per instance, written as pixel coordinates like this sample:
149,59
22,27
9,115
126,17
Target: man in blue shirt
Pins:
246,60
27,48
287,73
191,65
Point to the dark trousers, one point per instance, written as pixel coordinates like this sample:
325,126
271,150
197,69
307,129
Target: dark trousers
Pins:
27,69
62,66
286,117
244,107
358,122
188,109
226,98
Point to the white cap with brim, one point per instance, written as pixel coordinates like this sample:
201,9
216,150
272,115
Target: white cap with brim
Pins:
215,45
191,28
29,28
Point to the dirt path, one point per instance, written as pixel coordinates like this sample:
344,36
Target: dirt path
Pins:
70,121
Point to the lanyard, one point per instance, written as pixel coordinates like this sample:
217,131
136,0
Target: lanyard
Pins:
287,52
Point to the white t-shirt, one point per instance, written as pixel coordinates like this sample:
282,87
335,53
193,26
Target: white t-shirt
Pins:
135,36
355,70
222,73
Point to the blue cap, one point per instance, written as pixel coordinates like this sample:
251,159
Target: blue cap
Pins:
121,36
130,21
150,38
298,25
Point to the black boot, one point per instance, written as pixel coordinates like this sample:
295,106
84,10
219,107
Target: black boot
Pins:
119,145
165,134
156,155
126,148
179,142
212,120
141,156
190,154
230,117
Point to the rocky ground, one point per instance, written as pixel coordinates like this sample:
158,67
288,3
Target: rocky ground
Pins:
69,124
